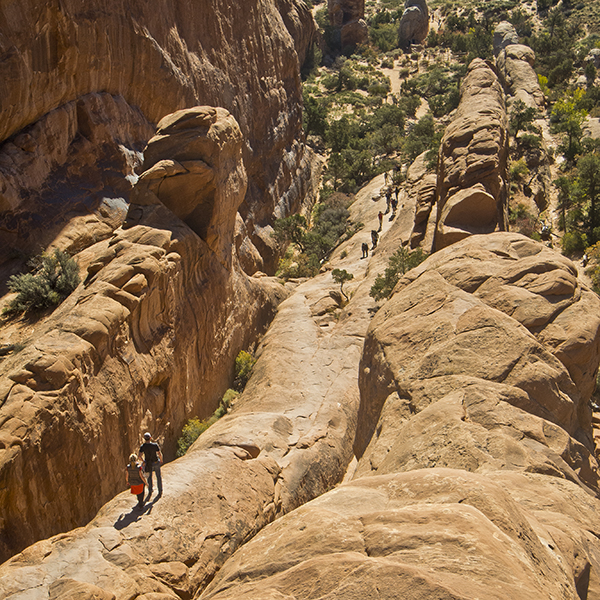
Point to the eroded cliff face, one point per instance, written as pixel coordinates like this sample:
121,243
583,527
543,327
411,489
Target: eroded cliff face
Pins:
152,60
148,339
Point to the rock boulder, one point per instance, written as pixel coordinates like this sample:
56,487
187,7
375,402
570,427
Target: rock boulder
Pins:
414,24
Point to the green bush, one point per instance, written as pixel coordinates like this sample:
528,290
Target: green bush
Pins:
401,261
572,242
54,278
244,363
518,170
194,428
190,433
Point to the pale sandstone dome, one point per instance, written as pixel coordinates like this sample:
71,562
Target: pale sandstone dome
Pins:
476,473
414,24
505,34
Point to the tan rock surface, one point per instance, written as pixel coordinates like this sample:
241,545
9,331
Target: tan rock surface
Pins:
152,60
472,161
433,533
470,481
515,68
288,439
147,339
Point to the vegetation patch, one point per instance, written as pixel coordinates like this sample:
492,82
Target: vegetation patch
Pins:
400,262
53,278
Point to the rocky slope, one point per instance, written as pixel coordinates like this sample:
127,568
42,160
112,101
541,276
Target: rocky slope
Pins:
288,440
476,473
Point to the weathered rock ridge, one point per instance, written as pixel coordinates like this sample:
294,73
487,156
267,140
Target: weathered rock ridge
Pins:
148,339
476,474
467,194
515,66
288,439
152,60
471,174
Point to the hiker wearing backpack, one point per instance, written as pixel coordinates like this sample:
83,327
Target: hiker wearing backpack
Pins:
152,460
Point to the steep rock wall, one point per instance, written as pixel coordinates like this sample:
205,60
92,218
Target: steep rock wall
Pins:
148,339
154,59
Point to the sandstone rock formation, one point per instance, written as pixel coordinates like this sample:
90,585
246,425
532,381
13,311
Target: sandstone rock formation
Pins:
515,66
288,439
515,62
148,339
150,60
505,34
421,186
414,24
349,17
476,474
472,162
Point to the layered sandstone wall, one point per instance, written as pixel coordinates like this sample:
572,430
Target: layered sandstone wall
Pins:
152,59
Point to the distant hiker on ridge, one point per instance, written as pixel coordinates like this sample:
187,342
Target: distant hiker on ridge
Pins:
365,250
380,216
374,238
153,458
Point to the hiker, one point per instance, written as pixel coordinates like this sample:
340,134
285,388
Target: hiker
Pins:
380,216
397,191
394,205
374,238
385,178
365,250
152,460
135,479
388,200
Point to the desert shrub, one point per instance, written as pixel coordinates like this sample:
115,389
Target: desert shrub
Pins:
529,141
194,428
190,433
422,137
341,276
55,276
244,363
521,220
572,242
518,170
400,262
